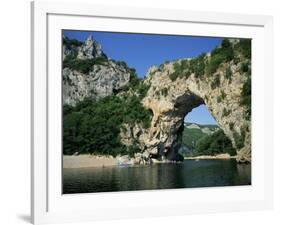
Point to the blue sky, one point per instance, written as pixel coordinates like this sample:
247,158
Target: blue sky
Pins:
141,51
200,115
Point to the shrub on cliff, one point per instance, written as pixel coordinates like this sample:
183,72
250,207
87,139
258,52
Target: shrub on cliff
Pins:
185,68
228,74
197,65
82,65
70,43
244,47
246,97
136,85
219,55
240,138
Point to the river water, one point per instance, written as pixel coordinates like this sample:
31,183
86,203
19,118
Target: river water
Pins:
189,174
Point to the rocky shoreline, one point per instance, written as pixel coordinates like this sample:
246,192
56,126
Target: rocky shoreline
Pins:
87,160
219,156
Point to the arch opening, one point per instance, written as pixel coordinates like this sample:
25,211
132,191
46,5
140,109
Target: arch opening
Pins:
177,138
202,136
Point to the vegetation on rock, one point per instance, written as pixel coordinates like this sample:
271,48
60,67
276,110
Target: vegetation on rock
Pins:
185,67
70,43
244,47
219,55
83,65
135,84
240,138
200,66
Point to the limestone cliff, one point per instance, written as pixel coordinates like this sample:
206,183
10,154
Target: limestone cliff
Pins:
82,50
88,72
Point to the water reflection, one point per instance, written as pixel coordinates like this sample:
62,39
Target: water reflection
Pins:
191,173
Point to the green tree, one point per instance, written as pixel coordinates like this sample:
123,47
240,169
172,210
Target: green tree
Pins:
213,144
94,126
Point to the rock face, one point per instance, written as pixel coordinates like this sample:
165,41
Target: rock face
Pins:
170,101
90,49
100,82
82,50
103,78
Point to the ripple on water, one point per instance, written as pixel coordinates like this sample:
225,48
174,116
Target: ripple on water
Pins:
190,173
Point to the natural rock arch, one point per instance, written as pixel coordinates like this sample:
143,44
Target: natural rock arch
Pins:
221,80
171,100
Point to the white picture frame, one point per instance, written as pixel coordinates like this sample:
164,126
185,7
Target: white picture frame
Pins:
48,205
